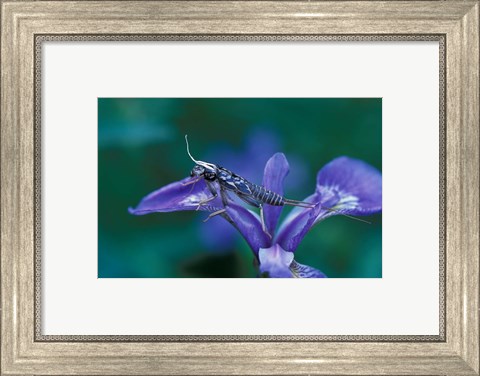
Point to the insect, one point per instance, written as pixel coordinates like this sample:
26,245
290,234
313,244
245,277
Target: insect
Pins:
251,193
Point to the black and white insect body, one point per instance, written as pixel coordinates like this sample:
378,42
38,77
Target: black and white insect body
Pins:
251,193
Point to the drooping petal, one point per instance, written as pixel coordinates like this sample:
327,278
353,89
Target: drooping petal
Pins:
350,186
275,262
276,170
297,224
305,271
177,196
297,210
249,225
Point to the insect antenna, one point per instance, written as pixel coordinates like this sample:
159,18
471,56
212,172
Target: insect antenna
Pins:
201,163
348,216
301,204
304,204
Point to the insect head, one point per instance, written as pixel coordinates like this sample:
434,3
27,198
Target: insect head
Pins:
202,169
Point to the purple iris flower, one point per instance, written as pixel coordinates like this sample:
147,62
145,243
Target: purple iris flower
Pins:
345,186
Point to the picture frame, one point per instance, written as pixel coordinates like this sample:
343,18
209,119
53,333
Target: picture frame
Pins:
26,23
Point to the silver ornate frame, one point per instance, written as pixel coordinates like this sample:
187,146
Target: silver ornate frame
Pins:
26,24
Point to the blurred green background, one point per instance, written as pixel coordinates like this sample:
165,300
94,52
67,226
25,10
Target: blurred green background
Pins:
141,148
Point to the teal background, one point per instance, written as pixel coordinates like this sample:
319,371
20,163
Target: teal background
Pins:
141,148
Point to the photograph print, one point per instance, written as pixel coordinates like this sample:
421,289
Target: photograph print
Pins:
239,187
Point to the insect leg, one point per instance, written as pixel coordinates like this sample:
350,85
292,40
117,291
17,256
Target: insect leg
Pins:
262,219
225,198
224,195
213,191
221,211
252,201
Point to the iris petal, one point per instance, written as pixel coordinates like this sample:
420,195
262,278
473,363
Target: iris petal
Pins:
297,224
305,271
249,225
276,170
177,196
356,185
275,262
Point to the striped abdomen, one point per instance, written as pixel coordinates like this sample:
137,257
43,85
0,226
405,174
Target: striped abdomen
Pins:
265,196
